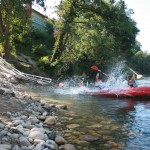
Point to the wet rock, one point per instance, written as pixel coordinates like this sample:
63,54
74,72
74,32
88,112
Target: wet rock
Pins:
69,147
62,107
60,140
90,138
51,120
72,126
82,142
52,135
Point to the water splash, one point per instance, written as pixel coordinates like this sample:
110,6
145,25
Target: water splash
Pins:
71,90
116,80
73,85
117,77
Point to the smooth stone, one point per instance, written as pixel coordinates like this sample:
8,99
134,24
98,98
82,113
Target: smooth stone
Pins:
69,147
60,140
72,126
90,138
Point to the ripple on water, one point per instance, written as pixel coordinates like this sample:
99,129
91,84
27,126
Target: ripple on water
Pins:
118,123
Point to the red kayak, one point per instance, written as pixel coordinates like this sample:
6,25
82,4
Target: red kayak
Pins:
125,92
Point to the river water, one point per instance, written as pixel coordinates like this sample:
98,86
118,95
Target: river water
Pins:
100,123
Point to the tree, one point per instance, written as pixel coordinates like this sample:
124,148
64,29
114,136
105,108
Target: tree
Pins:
68,10
141,62
95,31
10,13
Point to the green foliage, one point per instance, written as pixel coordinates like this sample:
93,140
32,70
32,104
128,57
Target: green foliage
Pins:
1,49
98,32
44,62
141,62
88,32
35,42
13,19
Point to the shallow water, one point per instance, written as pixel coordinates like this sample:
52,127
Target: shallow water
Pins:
116,123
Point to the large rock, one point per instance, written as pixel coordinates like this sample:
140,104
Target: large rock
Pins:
51,120
60,140
37,133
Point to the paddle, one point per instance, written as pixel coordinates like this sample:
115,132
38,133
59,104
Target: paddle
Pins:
96,68
138,76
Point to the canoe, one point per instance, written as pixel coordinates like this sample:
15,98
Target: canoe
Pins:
125,92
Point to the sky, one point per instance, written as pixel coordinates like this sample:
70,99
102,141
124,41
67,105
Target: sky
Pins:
141,16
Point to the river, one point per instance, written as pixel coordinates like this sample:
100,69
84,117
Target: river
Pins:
106,123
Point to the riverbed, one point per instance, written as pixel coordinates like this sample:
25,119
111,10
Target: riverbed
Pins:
100,123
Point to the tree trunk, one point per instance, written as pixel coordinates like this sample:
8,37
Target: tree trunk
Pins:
6,48
7,37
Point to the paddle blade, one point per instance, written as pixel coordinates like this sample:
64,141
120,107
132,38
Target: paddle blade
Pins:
95,68
139,76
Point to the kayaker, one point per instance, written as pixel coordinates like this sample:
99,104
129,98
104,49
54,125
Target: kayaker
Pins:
132,81
97,78
98,82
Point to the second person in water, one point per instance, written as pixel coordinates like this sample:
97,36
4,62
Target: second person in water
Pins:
132,81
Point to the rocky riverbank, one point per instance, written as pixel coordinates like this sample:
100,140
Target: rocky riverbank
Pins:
25,123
